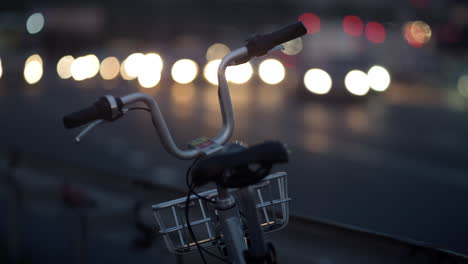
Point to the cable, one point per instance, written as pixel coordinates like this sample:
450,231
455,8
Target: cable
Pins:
192,234
189,226
138,108
189,184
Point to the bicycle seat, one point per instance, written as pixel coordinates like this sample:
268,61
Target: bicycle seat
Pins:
239,166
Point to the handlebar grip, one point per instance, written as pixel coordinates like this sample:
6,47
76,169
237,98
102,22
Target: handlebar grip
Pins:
261,44
99,110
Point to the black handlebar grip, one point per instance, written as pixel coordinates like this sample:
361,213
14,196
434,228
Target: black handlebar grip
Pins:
261,44
99,110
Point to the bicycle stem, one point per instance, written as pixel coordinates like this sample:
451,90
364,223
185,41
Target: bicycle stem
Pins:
224,101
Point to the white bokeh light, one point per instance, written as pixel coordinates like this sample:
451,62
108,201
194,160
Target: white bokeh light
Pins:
271,71
317,81
85,67
133,63
184,71
33,69
239,74
148,78
149,73
379,78
210,72
357,83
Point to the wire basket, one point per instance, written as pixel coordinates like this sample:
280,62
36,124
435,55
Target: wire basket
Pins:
272,204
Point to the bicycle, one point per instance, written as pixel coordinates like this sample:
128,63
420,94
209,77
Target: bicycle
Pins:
247,201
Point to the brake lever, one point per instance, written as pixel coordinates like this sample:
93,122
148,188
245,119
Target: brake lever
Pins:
95,124
88,129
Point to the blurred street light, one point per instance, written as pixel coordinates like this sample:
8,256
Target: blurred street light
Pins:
239,74
375,32
271,71
217,51
184,71
64,66
133,64
149,70
356,82
292,47
85,67
33,69
311,22
353,26
417,33
317,81
35,23
379,78
109,68
210,72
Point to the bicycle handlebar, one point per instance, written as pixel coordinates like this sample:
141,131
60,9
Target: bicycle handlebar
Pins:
110,108
99,110
259,45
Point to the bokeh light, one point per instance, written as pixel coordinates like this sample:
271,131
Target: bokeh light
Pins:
417,33
85,67
123,72
210,72
353,26
35,23
109,68
462,85
239,74
356,82
64,66
149,70
1,69
378,78
317,81
311,22
271,71
152,60
217,51
33,69
93,64
375,32
292,47
133,63
79,69
184,71
148,78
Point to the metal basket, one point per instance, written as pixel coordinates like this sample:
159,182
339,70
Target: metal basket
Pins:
272,204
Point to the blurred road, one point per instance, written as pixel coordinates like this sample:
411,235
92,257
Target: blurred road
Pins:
397,169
